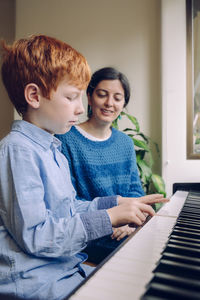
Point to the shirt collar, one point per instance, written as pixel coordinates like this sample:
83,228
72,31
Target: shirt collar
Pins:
36,134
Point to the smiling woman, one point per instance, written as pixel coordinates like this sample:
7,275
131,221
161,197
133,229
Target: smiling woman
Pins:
102,160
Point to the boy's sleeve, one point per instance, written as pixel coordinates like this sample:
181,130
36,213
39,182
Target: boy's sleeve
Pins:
31,223
96,219
97,203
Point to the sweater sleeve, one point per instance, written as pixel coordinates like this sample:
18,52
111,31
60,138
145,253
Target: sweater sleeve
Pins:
135,189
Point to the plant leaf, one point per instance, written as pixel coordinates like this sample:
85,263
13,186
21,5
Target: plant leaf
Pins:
140,144
158,184
145,171
140,154
144,157
115,124
145,137
129,129
132,119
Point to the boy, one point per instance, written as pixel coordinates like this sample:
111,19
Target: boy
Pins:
43,227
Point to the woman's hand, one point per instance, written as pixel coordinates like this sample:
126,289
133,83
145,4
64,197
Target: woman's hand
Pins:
148,199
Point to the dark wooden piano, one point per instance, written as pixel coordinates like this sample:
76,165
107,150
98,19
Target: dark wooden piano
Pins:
160,261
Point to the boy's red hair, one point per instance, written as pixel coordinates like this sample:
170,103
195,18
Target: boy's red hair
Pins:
44,61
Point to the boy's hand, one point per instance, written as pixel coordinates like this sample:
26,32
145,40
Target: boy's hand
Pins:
134,210
122,231
129,212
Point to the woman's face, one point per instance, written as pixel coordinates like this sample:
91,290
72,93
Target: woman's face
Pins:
107,100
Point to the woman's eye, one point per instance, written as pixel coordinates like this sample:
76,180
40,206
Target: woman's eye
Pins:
119,97
101,95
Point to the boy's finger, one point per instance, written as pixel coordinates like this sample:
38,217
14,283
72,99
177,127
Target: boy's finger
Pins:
147,209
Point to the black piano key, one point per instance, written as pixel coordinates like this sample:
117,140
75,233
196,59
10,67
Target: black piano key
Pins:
192,205
188,224
186,233
188,229
184,243
192,202
192,222
182,250
192,199
164,291
178,269
176,281
189,206
191,213
184,238
181,258
188,215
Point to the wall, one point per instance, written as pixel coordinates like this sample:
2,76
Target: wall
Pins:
7,32
121,33
125,34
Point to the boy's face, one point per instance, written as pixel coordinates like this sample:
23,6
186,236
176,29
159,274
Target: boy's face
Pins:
58,114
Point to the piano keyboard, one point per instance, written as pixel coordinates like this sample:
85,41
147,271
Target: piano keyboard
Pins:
177,274
145,265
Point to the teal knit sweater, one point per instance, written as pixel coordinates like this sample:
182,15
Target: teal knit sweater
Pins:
102,168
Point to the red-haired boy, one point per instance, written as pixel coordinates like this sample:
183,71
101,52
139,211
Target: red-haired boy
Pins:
43,227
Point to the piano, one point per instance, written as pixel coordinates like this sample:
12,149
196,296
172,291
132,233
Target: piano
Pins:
160,261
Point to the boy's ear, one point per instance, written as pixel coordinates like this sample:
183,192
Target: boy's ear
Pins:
32,95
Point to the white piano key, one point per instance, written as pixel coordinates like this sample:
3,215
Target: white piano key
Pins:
173,207
112,289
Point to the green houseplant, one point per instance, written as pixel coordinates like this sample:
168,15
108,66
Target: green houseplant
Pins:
151,182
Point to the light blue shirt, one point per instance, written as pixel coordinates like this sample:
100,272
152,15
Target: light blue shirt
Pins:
42,225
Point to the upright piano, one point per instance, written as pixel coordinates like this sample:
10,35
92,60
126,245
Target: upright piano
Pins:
159,261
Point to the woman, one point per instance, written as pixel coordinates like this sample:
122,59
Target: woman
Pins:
102,160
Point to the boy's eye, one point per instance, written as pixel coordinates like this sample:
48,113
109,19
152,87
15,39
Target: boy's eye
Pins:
71,97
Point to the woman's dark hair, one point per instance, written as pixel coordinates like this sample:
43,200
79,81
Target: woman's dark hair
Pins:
109,73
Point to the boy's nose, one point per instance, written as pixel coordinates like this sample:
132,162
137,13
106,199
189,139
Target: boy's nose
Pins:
80,108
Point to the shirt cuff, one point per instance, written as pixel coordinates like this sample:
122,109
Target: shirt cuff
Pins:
97,224
107,202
